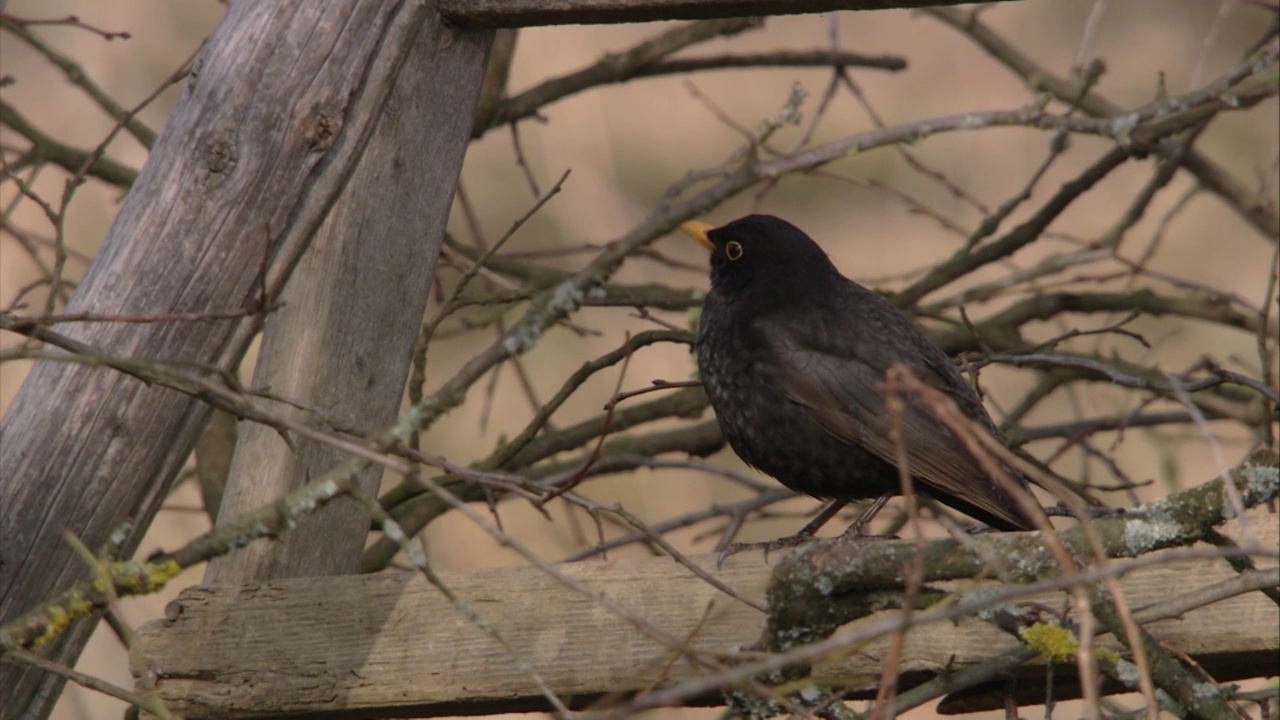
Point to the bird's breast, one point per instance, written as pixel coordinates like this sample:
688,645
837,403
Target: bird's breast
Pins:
739,377
743,378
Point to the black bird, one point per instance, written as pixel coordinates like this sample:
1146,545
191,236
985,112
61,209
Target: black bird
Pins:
793,356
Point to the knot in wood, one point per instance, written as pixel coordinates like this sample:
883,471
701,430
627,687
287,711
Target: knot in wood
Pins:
324,131
221,156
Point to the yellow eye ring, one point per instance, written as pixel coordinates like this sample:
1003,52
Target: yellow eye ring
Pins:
733,249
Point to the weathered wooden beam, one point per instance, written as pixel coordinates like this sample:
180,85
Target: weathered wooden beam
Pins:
525,13
340,327
390,644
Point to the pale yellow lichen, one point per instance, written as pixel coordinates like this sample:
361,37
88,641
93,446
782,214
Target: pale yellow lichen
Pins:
1055,643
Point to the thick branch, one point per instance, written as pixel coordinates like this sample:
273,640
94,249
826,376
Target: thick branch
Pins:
821,586
518,13
1004,328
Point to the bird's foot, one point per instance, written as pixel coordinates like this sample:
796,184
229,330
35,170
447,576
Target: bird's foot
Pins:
799,538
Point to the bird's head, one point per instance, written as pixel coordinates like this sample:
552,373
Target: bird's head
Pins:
762,255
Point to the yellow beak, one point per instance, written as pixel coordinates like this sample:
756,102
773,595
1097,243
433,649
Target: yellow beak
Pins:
697,230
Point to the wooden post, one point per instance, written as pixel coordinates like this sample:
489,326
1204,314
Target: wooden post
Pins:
274,123
342,343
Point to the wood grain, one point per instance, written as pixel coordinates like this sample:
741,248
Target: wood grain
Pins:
344,338
390,644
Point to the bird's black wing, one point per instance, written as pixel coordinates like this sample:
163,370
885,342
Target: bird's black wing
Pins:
833,365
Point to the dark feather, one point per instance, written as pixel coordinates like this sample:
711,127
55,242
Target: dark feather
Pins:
843,395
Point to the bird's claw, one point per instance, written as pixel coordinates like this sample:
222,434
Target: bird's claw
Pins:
766,546
855,532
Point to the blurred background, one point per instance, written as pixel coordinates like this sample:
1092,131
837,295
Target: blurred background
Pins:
625,144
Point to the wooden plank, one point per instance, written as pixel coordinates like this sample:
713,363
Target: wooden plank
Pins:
524,13
390,644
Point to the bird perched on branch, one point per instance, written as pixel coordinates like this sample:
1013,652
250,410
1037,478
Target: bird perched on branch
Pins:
794,358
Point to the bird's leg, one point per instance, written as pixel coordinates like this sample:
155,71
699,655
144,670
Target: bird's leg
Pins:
804,536
859,527
821,518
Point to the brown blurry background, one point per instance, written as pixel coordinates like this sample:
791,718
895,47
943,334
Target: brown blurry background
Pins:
626,143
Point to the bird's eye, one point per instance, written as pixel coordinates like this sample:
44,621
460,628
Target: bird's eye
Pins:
733,249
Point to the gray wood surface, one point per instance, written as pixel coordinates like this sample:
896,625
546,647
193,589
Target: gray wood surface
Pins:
343,341
391,645
267,135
